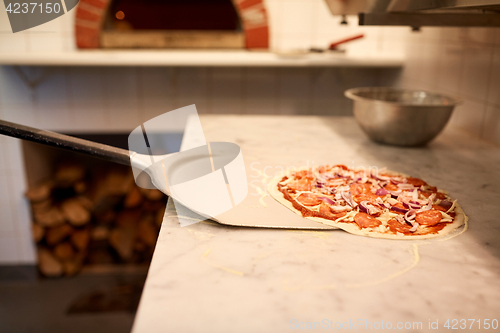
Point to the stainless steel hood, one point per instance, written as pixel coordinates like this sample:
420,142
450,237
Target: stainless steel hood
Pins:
418,13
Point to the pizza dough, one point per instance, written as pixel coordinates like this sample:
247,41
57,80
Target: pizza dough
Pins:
324,194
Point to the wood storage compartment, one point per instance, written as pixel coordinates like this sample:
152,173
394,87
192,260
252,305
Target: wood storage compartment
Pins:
88,213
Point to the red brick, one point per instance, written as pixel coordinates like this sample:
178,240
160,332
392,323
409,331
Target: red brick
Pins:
97,3
85,15
86,38
247,3
257,38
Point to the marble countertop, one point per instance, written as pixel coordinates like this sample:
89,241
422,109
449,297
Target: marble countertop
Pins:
208,277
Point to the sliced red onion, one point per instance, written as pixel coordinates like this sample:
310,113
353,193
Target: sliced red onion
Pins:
328,175
426,207
343,188
411,205
363,207
431,198
368,208
397,209
375,174
407,187
415,194
383,178
336,182
395,194
382,191
414,228
347,196
398,180
400,219
410,215
328,200
446,204
340,209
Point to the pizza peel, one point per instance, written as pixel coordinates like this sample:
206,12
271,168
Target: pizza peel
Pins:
255,210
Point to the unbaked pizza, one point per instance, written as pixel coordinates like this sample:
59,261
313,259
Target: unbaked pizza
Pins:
370,202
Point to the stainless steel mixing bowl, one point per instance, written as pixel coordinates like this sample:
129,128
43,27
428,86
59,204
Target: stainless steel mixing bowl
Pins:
401,117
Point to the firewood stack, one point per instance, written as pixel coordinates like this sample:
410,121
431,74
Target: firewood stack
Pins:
93,218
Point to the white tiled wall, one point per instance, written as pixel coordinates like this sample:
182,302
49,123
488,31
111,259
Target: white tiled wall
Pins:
465,62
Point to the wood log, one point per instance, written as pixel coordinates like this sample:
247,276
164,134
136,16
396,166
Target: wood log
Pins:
159,216
112,183
54,236
80,239
147,231
41,206
75,213
152,195
68,174
105,217
140,246
38,232
153,206
72,266
40,192
100,233
49,218
99,256
64,251
80,187
48,265
133,198
122,240
128,218
85,202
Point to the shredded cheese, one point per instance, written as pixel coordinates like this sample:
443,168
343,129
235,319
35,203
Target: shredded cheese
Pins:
452,208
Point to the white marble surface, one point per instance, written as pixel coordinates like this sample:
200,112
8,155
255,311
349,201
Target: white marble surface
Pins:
212,278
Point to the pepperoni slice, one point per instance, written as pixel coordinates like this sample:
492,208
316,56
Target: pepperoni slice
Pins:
308,199
300,185
326,212
396,226
391,187
343,167
441,208
365,197
364,220
304,174
416,181
356,189
439,195
429,217
399,205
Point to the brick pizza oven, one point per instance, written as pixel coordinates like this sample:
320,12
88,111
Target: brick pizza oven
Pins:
96,22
